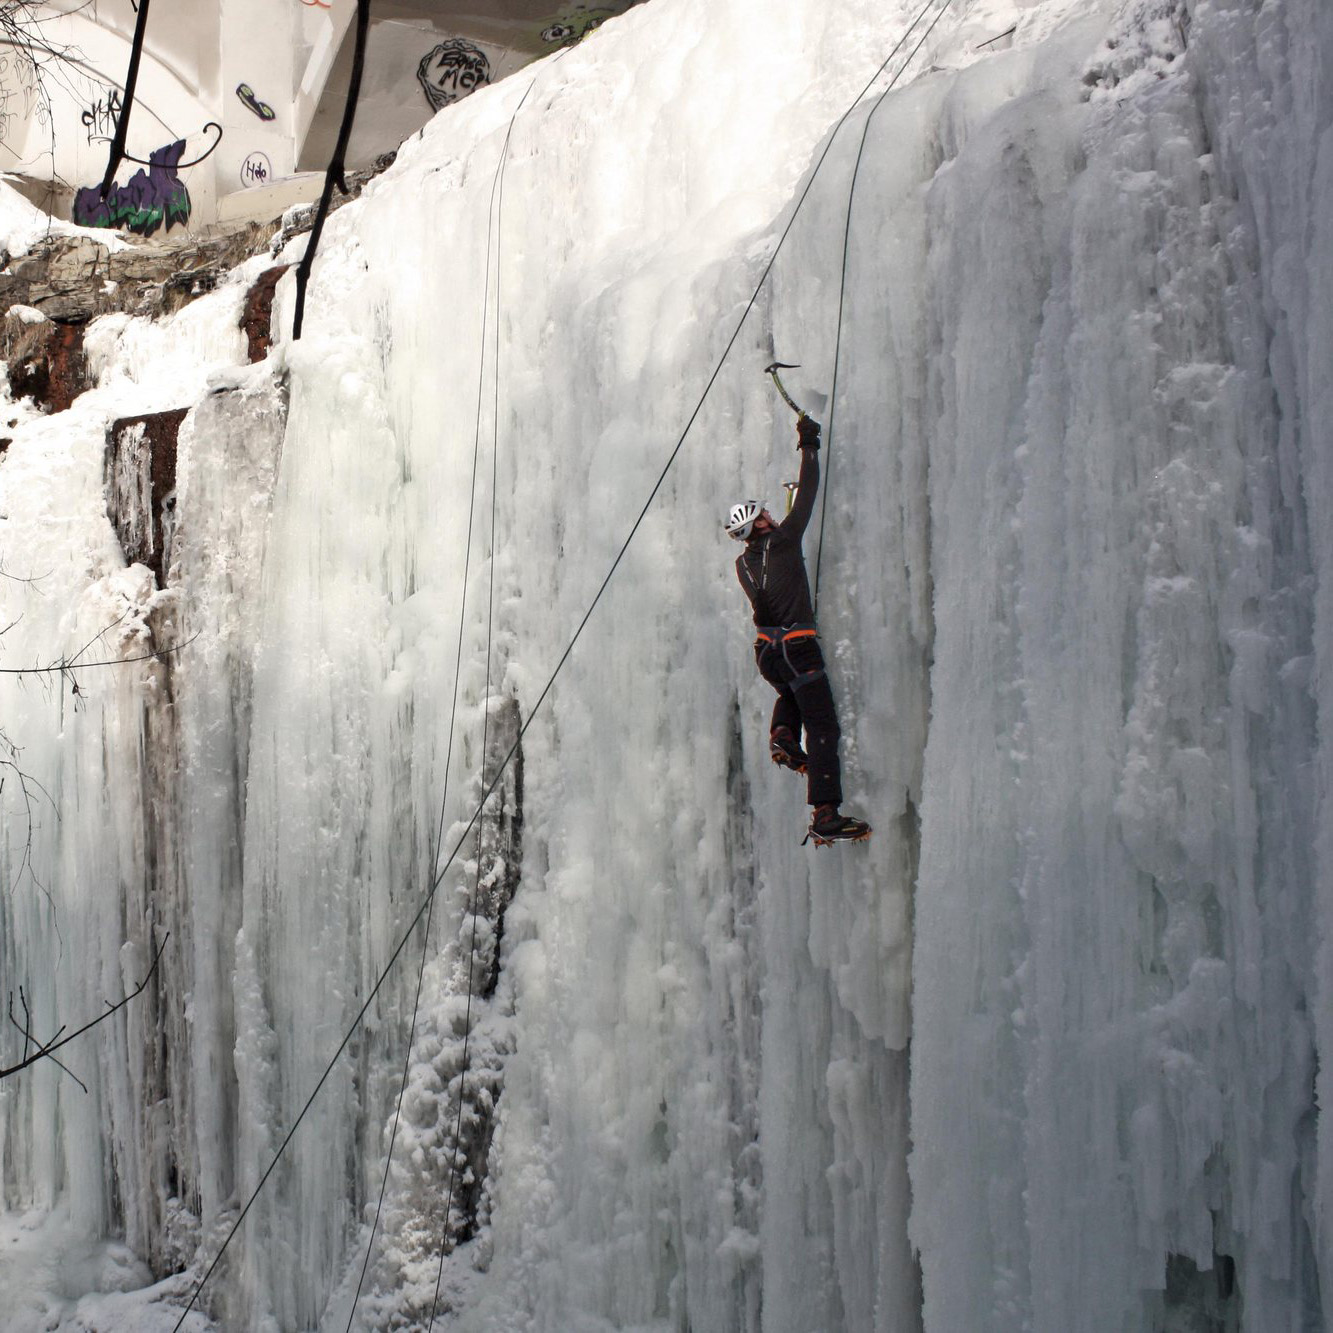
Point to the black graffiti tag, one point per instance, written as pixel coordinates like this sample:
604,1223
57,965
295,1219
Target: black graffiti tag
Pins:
452,70
21,93
101,117
256,170
7,116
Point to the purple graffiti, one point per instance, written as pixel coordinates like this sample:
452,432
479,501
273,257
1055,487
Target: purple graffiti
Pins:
147,201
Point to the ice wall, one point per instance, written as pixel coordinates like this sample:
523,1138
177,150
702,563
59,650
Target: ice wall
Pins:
1126,874
1042,1054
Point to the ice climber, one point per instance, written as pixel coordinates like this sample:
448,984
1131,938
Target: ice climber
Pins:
772,572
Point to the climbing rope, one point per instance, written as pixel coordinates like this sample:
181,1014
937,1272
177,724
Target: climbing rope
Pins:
335,175
485,737
453,712
492,228
842,286
131,79
489,788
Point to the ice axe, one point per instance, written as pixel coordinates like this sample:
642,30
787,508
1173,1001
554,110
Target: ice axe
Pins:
789,486
777,382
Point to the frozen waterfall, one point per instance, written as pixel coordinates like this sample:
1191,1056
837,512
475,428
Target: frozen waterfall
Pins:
1048,1052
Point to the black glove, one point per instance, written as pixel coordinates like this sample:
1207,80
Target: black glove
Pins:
807,428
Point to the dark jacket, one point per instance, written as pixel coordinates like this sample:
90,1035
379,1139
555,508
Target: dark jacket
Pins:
772,569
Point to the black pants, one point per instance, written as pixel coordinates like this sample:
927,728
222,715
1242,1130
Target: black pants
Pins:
807,703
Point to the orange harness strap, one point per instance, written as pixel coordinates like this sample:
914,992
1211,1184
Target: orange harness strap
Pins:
780,637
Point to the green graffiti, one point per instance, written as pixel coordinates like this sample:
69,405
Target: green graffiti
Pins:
144,202
575,21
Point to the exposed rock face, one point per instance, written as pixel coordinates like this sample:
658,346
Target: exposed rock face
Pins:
256,318
141,485
72,280
75,278
45,361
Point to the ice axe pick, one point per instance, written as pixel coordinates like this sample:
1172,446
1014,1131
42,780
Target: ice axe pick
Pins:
777,381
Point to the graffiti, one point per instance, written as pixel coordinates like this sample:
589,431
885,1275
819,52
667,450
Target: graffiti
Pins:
194,161
249,100
317,4
101,117
256,170
147,201
572,27
452,70
21,94
9,100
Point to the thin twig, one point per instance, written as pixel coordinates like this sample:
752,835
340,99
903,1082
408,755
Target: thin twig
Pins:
1001,37
56,1042
69,664
28,1038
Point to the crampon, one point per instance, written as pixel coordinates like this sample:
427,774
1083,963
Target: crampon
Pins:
824,832
786,751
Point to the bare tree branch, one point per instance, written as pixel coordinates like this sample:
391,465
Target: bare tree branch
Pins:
27,785
44,1050
69,664
26,1028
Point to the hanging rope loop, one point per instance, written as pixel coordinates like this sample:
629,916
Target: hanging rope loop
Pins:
336,174
123,122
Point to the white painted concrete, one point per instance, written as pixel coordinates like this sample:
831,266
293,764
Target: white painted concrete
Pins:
254,88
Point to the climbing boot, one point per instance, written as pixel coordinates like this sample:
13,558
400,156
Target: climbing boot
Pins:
786,751
828,827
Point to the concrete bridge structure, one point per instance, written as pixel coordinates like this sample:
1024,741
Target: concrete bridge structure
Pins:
239,101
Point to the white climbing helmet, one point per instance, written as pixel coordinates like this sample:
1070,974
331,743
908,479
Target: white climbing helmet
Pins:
741,518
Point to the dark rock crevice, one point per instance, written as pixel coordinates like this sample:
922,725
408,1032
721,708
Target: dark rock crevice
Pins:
442,1155
499,855
257,316
140,474
46,361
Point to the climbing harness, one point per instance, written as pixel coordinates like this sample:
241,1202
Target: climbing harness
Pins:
489,787
775,634
775,637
